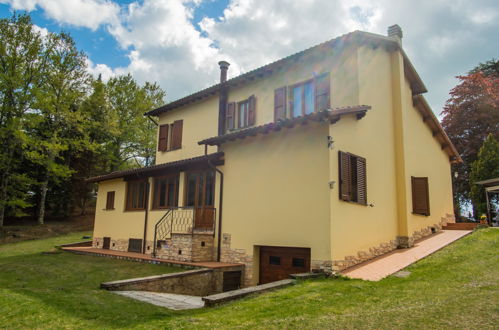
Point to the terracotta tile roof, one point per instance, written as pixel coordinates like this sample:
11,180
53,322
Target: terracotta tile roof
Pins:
333,115
216,158
358,37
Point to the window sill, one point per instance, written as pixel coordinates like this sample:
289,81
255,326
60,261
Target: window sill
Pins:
138,210
108,209
355,203
421,214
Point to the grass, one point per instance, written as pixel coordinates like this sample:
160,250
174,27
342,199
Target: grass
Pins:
456,287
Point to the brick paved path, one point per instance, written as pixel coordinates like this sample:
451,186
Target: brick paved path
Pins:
394,261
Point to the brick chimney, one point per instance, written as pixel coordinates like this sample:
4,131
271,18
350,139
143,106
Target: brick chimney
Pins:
223,95
224,66
395,32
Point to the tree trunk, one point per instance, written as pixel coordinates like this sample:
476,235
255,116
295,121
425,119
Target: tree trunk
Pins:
43,197
3,197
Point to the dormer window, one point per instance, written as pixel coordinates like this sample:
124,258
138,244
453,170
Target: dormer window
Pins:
241,114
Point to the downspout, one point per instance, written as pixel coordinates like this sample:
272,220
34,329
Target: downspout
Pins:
220,205
146,217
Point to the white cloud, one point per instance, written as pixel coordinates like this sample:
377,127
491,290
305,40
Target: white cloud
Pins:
101,69
443,38
85,13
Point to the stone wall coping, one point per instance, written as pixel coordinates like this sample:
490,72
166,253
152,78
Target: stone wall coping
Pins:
236,294
82,243
115,284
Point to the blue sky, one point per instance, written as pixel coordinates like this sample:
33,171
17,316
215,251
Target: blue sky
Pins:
178,43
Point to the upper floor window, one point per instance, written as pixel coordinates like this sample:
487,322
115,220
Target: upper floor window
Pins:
302,98
241,114
170,136
136,195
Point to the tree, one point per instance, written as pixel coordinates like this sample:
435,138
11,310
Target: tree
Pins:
56,119
485,167
21,66
133,138
469,116
489,68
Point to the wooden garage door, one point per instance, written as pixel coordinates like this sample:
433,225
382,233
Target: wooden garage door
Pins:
277,263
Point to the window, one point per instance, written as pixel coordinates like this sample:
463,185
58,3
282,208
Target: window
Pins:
274,260
170,136
241,116
110,200
304,98
298,262
352,174
166,192
420,196
136,195
200,189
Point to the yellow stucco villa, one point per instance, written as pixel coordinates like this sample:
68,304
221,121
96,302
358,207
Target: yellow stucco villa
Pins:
316,162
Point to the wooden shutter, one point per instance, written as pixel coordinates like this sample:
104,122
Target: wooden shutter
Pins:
322,91
177,134
110,200
420,196
361,181
344,175
230,116
163,137
251,110
280,103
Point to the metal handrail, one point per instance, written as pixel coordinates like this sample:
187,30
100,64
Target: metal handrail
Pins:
180,220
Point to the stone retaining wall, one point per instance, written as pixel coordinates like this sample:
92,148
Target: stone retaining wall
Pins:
199,282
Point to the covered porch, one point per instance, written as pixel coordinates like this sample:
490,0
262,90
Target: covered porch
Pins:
168,211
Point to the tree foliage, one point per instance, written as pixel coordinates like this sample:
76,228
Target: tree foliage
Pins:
59,126
485,167
469,116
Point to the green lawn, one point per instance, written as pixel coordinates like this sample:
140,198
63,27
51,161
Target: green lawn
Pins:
454,288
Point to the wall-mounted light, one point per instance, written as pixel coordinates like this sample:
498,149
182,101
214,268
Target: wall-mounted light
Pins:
331,184
330,142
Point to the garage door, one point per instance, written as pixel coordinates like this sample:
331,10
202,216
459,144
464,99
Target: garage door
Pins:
277,263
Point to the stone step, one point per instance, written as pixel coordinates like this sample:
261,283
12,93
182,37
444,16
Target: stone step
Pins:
460,226
219,298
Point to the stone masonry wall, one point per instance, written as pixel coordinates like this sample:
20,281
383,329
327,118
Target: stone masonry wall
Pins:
187,247
237,256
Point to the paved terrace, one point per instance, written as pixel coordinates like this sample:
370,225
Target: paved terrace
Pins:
145,257
394,261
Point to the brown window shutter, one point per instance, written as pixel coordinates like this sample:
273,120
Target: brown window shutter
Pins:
345,171
322,91
420,196
177,134
110,200
361,181
280,103
230,116
163,137
251,110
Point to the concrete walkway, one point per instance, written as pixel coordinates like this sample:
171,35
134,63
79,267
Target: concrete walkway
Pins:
168,300
394,261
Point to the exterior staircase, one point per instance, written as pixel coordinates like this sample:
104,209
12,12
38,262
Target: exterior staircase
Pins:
185,234
460,226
